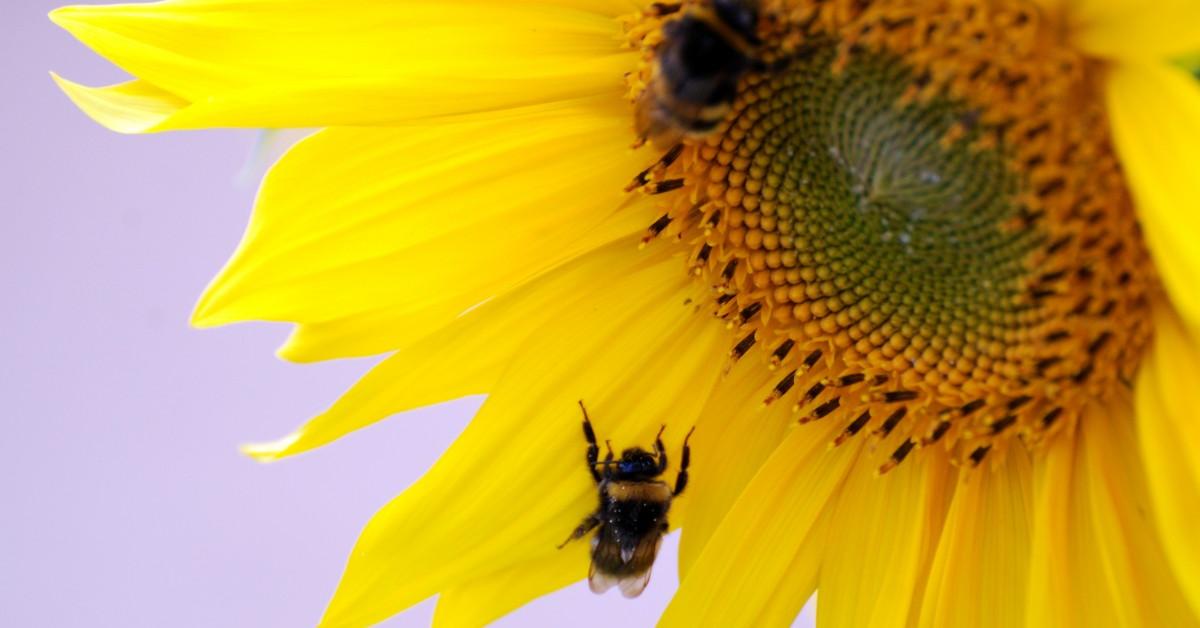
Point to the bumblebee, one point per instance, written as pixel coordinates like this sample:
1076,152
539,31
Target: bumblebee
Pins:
704,54
632,517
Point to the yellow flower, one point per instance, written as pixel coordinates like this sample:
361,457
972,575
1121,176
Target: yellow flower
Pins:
951,379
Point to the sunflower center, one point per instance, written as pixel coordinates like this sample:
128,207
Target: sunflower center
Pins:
915,216
850,203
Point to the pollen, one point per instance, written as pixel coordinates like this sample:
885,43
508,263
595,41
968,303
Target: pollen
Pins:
914,218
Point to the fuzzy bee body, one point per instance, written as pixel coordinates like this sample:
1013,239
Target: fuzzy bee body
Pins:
631,518
633,522
704,54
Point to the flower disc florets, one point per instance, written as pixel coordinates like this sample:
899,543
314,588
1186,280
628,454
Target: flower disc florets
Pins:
914,213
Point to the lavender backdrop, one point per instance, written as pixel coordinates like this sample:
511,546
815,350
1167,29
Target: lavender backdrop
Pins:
124,501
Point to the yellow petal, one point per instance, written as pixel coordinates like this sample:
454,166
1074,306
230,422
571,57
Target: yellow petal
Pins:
483,600
1132,29
1069,583
767,542
131,107
373,332
1096,558
510,489
793,600
1169,432
979,573
407,228
1155,112
468,355
1134,572
309,63
1052,591
882,540
735,422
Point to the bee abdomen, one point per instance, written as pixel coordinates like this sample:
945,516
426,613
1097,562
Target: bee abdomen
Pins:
639,491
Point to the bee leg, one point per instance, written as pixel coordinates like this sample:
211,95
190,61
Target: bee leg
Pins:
608,460
661,450
681,480
593,450
582,529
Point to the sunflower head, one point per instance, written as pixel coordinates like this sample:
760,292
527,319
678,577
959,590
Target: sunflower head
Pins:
917,211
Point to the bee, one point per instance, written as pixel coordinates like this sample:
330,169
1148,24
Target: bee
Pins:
704,54
632,517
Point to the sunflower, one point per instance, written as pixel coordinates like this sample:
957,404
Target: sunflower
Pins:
926,291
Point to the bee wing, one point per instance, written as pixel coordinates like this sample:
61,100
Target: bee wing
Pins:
600,582
633,585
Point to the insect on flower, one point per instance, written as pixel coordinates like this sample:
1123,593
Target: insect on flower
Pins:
703,56
632,516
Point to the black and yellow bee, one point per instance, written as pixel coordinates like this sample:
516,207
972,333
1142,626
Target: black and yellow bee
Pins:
703,55
632,517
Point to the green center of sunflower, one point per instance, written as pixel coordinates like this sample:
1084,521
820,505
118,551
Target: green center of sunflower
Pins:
856,202
914,216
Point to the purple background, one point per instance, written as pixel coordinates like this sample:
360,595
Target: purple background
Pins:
124,500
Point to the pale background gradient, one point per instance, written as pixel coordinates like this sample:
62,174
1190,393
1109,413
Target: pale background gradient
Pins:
123,500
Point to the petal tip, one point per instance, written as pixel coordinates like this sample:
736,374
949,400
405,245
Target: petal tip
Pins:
133,107
204,316
272,450
214,307
295,352
63,16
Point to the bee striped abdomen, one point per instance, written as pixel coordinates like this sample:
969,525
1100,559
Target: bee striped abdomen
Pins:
642,491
